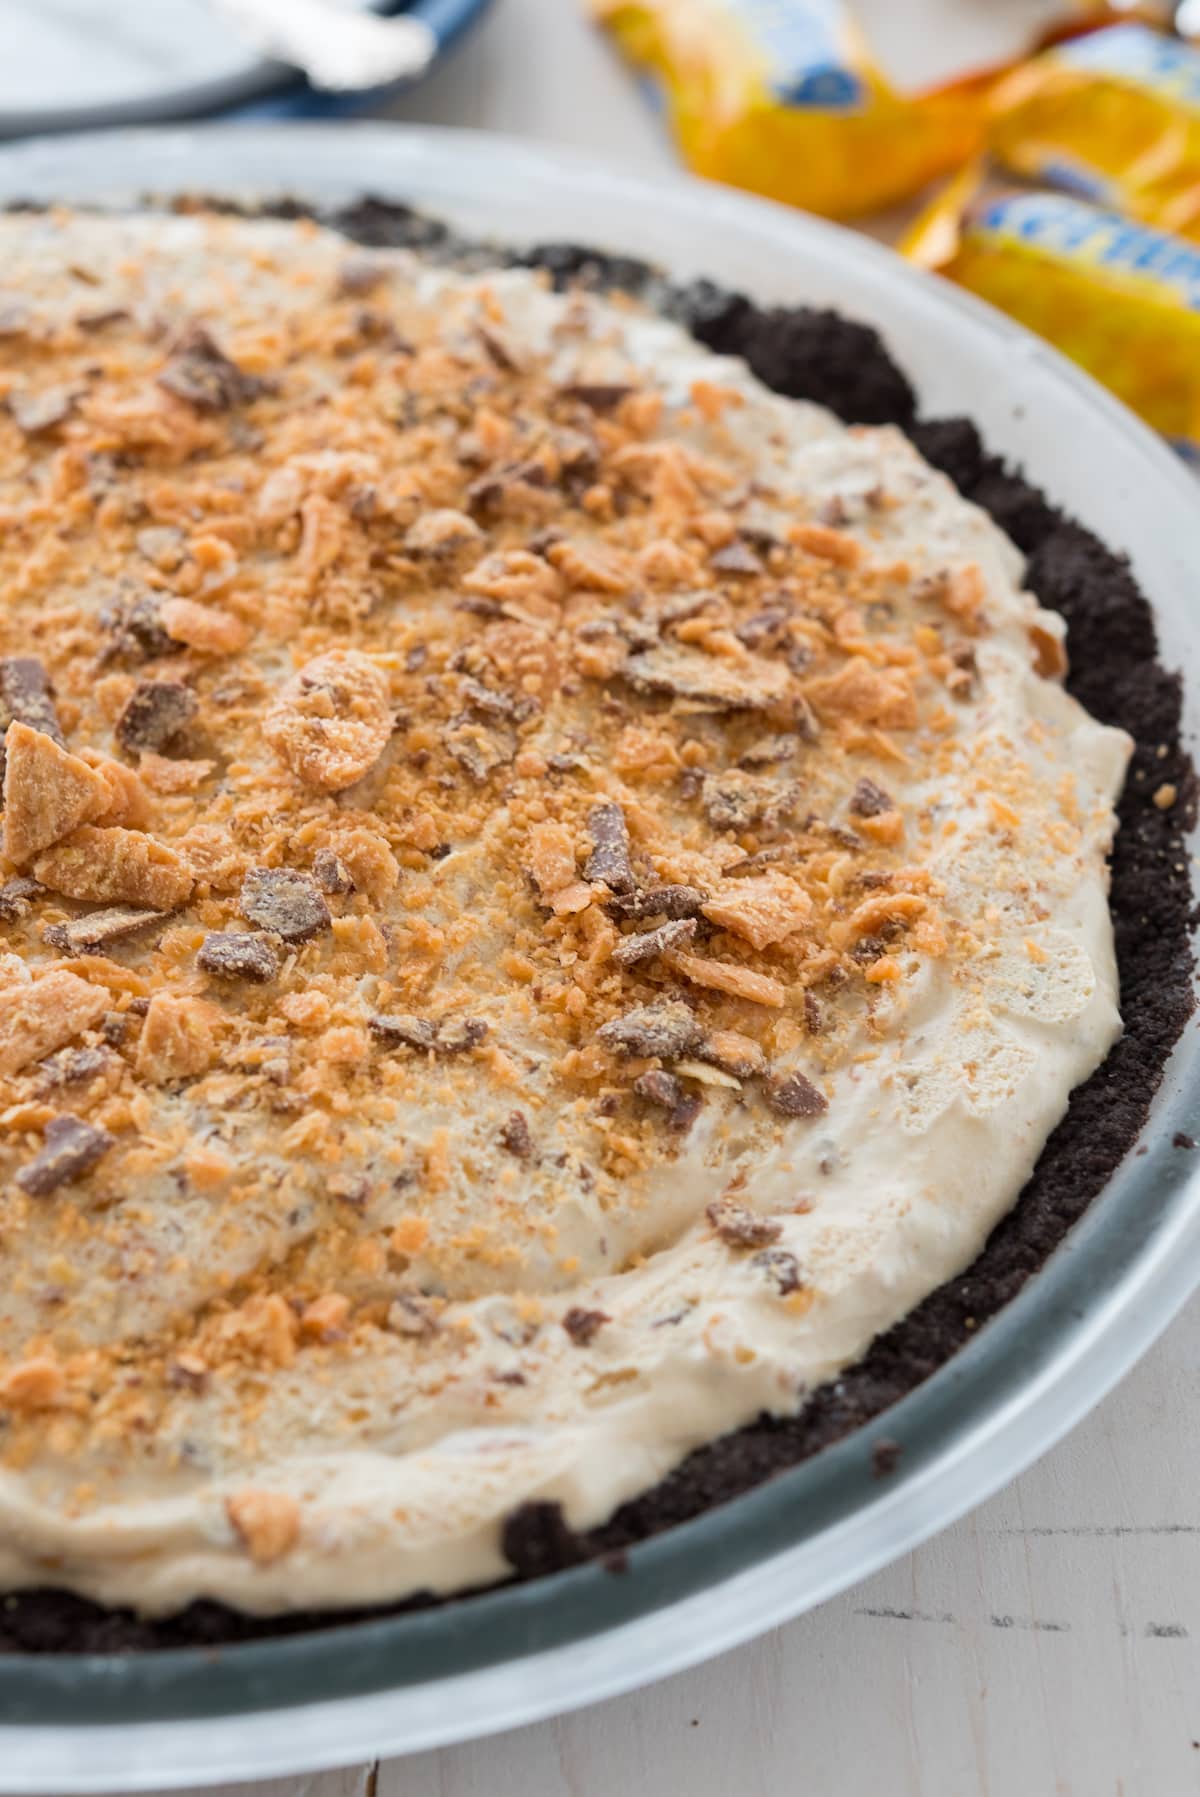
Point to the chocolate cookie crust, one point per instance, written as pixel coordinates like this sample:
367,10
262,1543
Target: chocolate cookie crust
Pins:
844,366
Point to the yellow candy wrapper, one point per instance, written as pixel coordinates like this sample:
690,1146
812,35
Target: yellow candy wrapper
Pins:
1113,117
786,97
1120,298
781,96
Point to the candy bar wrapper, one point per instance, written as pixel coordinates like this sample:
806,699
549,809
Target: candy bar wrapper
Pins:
1113,117
784,97
1120,298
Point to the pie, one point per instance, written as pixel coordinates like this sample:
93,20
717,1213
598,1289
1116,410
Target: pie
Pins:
552,898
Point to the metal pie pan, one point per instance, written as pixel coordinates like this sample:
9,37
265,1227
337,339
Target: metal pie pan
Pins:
92,1723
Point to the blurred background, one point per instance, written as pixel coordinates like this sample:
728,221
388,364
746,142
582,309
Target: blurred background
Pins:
1043,153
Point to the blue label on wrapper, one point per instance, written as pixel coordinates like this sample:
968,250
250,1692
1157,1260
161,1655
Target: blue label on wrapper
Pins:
1097,239
803,43
1142,57
1072,177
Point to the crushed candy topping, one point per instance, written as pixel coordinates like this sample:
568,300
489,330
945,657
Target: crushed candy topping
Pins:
496,826
70,1150
284,900
239,955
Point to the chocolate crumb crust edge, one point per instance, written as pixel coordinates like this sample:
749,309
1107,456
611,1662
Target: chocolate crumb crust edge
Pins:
842,364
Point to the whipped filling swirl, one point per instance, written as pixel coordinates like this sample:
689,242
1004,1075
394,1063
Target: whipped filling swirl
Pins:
548,894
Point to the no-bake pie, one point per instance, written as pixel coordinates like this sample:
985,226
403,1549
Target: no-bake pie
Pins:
550,897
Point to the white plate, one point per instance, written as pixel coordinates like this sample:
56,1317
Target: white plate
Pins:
1033,1373
82,65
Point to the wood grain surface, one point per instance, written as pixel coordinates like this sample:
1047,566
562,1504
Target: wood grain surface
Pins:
1048,1644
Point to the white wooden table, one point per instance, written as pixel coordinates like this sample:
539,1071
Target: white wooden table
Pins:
1048,1644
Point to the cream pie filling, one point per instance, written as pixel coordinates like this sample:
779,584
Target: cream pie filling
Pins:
549,895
